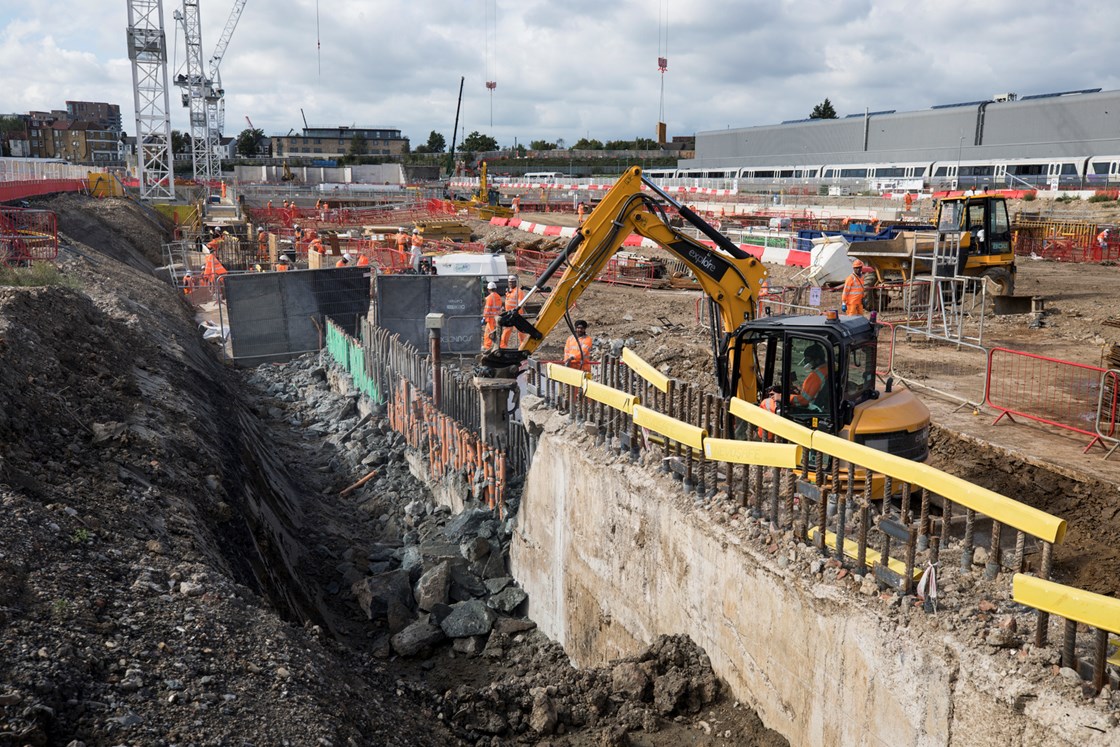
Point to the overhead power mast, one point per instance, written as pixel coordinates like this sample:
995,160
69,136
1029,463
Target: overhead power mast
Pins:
216,102
147,50
197,87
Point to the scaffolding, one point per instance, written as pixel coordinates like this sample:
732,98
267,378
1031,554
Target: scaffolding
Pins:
939,294
147,50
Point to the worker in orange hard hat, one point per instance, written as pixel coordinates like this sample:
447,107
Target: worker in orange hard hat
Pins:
851,299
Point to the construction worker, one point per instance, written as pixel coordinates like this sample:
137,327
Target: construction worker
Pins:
262,243
363,261
402,240
851,299
908,200
1102,243
215,243
581,211
283,264
816,361
772,404
212,271
344,260
189,282
490,312
514,297
417,249
316,245
577,349
517,206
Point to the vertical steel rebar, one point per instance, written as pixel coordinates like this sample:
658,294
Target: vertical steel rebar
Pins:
1069,644
991,569
1042,623
923,522
969,528
1100,654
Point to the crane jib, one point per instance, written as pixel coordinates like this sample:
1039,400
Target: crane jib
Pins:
711,264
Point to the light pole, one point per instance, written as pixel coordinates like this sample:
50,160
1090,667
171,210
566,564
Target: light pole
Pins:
960,146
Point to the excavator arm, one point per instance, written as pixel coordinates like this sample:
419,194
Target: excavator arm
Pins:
730,277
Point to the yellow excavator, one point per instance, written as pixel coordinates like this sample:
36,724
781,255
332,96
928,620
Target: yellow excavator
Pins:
752,353
486,202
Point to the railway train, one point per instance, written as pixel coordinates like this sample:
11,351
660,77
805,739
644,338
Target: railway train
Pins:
1095,172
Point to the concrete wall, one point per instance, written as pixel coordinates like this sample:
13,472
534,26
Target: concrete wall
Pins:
613,554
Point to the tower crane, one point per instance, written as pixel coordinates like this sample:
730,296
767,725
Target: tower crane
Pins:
196,87
216,105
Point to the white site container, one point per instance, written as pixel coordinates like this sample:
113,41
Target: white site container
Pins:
488,266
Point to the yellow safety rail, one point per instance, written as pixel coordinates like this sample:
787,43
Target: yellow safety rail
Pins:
1007,511
611,397
645,370
1095,610
565,375
753,452
671,428
851,549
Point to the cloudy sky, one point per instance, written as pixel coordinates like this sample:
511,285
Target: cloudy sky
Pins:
568,69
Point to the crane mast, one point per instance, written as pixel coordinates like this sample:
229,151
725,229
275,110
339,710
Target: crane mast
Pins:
147,50
197,87
216,105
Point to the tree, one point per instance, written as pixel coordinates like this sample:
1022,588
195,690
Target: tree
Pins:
358,145
435,144
180,142
541,145
248,142
823,110
585,144
476,142
645,143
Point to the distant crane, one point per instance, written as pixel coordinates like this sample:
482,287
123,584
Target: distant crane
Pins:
216,106
147,50
197,88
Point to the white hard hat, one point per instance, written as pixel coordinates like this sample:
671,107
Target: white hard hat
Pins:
512,278
285,258
347,256
491,285
416,230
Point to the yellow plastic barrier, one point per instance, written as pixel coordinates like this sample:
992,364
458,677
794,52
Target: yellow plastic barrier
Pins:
565,375
677,430
610,396
768,421
645,370
1095,610
1006,511
752,452
851,550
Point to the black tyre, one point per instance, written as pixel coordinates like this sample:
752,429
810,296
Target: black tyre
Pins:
1000,281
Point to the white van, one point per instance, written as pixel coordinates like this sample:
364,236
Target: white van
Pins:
487,266
543,176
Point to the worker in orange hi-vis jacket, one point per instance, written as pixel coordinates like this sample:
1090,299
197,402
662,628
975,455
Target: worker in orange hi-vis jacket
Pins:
852,296
402,240
772,404
283,264
577,350
514,297
490,312
363,261
344,260
581,212
417,251
517,205
816,360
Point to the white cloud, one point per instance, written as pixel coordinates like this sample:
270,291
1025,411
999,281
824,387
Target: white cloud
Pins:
574,68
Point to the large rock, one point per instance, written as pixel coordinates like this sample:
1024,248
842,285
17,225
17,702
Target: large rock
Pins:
433,587
543,718
468,618
376,593
631,681
466,524
464,584
417,637
507,600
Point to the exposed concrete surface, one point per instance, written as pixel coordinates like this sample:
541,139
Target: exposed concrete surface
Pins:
612,554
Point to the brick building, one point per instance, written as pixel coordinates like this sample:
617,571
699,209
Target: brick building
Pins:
335,142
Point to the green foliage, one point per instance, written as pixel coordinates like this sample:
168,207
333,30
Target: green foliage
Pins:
585,144
60,609
11,124
1029,197
248,142
180,142
80,536
435,144
476,142
37,275
358,145
823,110
541,145
1100,198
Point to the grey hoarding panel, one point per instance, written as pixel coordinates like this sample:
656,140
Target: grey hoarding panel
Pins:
273,315
404,300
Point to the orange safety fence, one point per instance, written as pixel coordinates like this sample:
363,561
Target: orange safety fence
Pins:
27,235
308,217
452,449
620,270
1072,396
